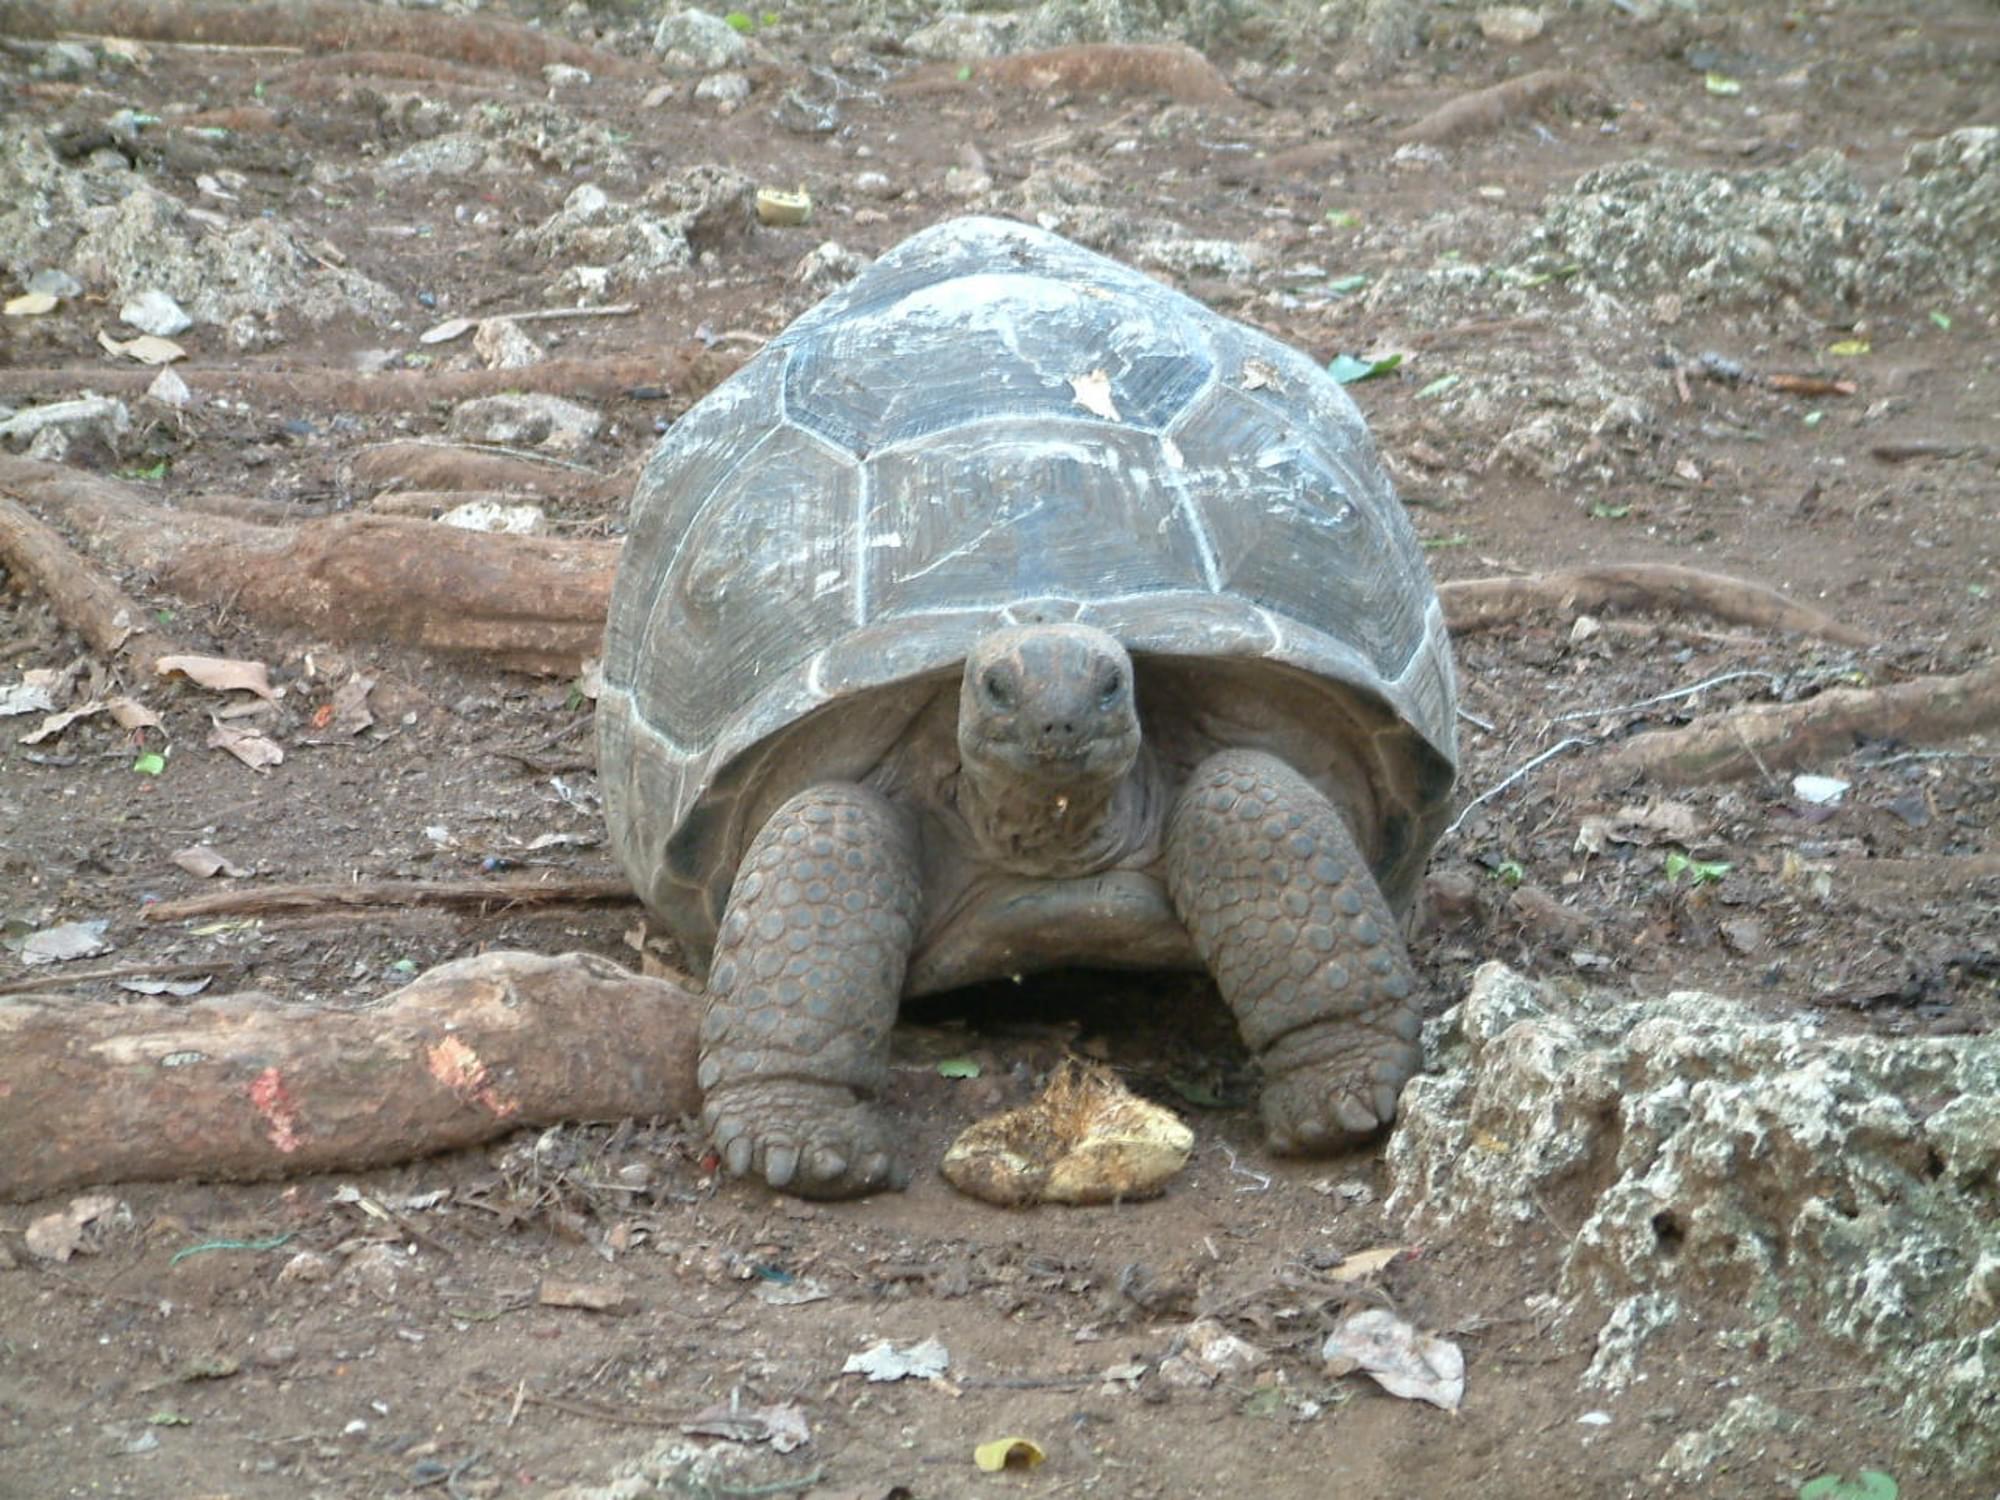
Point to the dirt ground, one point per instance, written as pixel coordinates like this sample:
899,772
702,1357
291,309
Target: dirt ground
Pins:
388,1333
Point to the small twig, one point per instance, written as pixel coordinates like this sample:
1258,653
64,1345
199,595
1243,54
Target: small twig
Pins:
1475,721
1773,678
334,896
522,1396
1574,742
540,314
117,971
1261,1179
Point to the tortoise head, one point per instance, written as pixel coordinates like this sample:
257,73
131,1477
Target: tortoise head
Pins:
1048,707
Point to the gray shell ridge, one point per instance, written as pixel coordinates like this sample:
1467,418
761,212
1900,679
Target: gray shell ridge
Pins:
928,453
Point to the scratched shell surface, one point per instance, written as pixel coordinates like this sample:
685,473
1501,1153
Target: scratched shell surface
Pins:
929,453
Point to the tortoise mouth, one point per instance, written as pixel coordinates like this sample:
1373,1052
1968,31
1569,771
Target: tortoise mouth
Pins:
1094,762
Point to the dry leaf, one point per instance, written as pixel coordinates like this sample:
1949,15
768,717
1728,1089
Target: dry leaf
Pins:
55,724
884,1361
1093,394
445,332
56,1236
1403,1361
1360,1266
132,714
200,860
66,941
1007,1453
222,674
30,305
147,349
257,751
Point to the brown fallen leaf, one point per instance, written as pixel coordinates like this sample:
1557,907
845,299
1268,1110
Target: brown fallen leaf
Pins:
59,1235
147,349
257,751
199,859
609,1297
221,674
1365,1263
132,714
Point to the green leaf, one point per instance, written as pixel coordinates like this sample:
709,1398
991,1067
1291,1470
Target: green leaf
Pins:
958,1067
1814,418
740,21
169,1419
1867,1484
1702,871
150,763
157,471
1347,369
964,72
1346,284
1439,543
1200,1095
1558,273
1439,386
1604,511
1848,348
1943,320
404,966
1722,83
1343,218
1509,872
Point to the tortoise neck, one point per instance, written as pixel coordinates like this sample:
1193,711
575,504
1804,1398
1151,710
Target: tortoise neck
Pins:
1051,830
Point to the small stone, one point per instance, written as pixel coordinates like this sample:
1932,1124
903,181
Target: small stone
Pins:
562,75
875,185
696,42
53,281
525,421
961,38
1510,25
967,182
725,90
153,311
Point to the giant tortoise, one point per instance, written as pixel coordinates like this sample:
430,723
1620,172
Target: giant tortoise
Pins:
1012,610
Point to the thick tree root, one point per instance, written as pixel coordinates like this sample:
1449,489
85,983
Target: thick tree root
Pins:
1774,736
312,26
244,1088
82,597
322,896
1487,110
1482,603
685,374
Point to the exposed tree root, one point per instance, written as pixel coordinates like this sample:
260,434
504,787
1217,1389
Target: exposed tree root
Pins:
1179,73
81,597
1773,736
243,1087
454,467
314,26
410,67
1481,603
688,374
321,896
532,604
1490,108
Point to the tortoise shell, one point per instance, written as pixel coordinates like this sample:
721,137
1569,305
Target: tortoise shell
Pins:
992,425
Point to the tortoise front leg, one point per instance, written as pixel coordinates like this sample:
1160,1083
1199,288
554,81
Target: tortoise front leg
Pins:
1284,912
807,975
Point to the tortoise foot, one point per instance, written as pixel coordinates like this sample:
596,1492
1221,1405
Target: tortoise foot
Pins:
1335,1085
1284,910
814,1140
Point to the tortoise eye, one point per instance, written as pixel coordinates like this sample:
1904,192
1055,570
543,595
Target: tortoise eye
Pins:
1107,695
997,691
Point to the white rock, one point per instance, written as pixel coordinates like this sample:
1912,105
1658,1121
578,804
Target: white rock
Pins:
695,41
1510,25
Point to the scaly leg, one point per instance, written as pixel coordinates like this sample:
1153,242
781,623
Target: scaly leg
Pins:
1284,912
804,988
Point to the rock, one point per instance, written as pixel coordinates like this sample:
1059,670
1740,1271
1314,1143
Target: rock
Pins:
705,207
962,38
1510,25
1208,1352
1744,1420
170,390
1056,23
61,61
967,182
827,267
102,417
501,345
52,281
727,91
153,311
148,242
562,75
1810,228
490,515
525,421
1839,1186
876,185
693,41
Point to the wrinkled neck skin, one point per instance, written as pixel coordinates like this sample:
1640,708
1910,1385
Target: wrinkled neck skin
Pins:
1051,830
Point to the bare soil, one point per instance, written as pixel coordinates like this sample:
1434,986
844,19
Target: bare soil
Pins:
190,1350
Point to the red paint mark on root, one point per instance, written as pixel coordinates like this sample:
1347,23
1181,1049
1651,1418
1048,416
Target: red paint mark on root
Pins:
281,1116
459,1069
